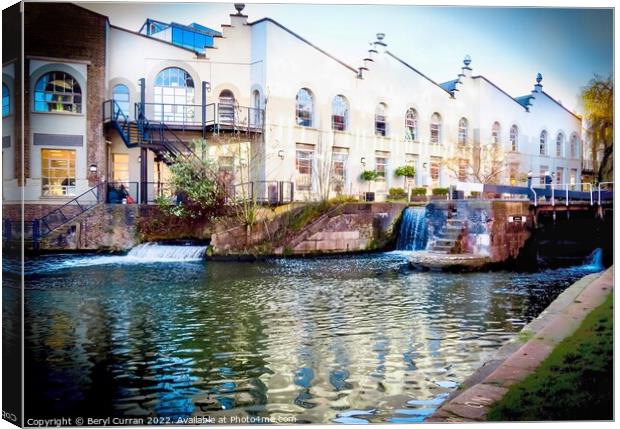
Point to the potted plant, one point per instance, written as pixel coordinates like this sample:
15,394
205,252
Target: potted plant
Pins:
406,171
397,194
418,194
440,193
369,176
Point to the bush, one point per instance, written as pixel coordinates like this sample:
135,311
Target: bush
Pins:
440,191
397,194
370,175
416,192
405,171
341,199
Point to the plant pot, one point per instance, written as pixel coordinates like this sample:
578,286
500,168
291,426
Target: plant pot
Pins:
369,196
419,198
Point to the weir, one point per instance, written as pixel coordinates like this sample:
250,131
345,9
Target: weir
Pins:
153,252
413,234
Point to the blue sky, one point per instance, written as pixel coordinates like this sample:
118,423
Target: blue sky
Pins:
508,45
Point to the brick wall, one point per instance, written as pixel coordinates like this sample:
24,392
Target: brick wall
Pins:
34,211
67,31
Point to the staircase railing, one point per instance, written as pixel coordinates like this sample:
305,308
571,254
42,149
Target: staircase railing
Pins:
68,211
112,112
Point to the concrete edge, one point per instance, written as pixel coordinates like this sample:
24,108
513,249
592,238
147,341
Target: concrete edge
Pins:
516,360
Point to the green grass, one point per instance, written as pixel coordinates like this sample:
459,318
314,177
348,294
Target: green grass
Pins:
575,382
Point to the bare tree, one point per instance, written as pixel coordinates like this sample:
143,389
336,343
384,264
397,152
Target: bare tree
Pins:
479,163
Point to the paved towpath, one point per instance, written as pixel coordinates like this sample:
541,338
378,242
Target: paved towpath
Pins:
516,360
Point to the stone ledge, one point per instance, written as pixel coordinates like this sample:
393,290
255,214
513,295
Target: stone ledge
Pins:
426,260
553,325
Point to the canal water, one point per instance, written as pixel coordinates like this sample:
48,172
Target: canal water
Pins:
324,340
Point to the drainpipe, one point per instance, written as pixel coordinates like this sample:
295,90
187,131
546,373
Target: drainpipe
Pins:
143,151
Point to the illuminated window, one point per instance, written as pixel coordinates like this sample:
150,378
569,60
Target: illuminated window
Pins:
174,96
381,120
463,130
57,92
340,113
543,143
411,124
120,167
436,128
514,138
120,94
57,172
304,108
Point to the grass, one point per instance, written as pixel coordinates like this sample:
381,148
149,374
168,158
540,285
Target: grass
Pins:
575,382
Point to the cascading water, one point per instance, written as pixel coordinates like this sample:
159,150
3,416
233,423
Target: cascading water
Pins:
153,252
595,260
413,233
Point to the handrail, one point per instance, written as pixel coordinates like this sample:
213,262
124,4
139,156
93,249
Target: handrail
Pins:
535,195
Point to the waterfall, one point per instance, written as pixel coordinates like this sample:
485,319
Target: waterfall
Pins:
413,233
595,260
154,252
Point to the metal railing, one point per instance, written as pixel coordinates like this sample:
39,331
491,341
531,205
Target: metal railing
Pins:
270,192
607,186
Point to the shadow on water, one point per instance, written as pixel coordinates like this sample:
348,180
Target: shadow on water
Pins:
347,339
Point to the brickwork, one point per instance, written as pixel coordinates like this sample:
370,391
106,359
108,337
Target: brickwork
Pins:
34,211
67,31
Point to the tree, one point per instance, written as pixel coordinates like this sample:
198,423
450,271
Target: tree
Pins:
598,103
408,172
480,163
369,176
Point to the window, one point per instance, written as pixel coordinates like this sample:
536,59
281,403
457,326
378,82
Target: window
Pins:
339,168
174,96
303,163
514,138
514,172
574,146
256,111
543,143
435,128
120,167
411,125
495,133
559,145
381,164
225,164
226,107
57,92
573,176
435,170
120,94
463,167
304,109
340,113
543,171
463,131
381,120
559,175
6,101
57,172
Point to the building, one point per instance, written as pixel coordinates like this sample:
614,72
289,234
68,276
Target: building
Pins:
113,104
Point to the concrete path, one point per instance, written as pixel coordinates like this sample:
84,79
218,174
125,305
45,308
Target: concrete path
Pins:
515,361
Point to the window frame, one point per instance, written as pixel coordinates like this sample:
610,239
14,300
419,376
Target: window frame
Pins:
75,94
304,114
559,145
411,124
381,122
118,102
307,156
436,129
340,122
67,190
6,96
574,146
178,87
514,138
542,143
463,131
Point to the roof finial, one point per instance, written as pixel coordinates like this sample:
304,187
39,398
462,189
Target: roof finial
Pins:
467,60
380,36
538,78
239,7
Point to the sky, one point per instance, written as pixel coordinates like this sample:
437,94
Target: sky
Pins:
508,45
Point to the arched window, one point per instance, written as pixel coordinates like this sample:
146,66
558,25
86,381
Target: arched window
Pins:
340,113
411,124
496,130
543,142
120,94
381,120
57,91
304,109
174,96
6,101
463,131
436,128
574,146
559,145
256,110
514,138
226,107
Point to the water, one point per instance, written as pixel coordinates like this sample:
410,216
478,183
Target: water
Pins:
413,229
341,339
595,260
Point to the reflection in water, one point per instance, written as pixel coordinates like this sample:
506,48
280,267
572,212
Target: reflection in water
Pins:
351,339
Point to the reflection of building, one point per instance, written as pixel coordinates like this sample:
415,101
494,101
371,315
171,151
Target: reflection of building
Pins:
110,104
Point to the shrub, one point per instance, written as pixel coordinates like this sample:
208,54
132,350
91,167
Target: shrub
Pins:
370,175
341,199
397,194
440,191
405,171
416,192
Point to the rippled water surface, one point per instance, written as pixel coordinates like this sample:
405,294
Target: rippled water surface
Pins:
351,339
